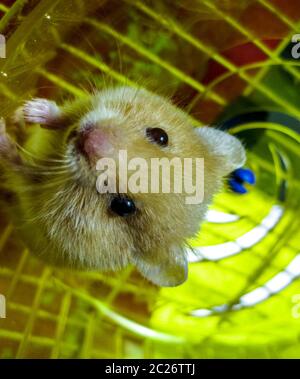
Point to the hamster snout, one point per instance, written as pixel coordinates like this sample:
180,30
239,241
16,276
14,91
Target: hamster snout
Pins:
62,217
98,142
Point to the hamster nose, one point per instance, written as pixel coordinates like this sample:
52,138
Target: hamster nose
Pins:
97,143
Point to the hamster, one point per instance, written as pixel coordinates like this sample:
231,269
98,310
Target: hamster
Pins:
51,182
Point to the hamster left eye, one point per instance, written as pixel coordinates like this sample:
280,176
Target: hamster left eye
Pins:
158,136
122,206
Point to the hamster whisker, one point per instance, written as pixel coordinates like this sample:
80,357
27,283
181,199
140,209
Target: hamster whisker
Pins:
19,147
42,186
50,167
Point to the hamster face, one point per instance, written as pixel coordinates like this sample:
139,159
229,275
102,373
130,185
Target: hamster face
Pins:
66,221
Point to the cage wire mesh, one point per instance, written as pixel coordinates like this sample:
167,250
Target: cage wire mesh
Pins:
226,63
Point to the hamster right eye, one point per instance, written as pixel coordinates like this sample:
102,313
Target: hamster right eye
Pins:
158,136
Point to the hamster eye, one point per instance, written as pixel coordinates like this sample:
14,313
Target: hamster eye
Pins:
122,206
158,136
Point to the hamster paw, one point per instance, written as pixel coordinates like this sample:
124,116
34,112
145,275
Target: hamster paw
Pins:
41,111
8,149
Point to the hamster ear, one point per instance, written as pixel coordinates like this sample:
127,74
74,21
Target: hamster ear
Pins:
224,146
168,272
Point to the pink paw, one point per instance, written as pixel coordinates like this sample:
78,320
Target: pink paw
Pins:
41,111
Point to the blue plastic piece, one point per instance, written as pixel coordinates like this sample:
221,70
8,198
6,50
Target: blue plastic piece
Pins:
245,175
239,178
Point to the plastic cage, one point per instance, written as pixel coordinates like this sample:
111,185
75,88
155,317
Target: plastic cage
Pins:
228,63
